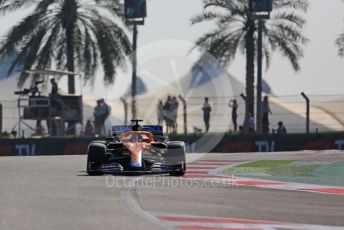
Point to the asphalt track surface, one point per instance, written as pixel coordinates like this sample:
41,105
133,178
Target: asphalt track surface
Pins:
55,193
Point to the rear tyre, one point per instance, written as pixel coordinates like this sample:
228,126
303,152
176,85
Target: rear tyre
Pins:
176,156
96,156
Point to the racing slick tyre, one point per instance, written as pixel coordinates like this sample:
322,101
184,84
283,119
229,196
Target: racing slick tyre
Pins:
96,156
176,156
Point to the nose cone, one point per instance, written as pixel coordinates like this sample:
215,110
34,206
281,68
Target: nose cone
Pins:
135,150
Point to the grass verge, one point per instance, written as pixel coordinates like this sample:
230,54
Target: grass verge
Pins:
276,168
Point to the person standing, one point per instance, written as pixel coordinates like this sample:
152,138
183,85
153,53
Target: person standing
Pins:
89,129
234,105
281,130
206,113
168,116
249,124
54,87
167,105
265,112
55,109
160,112
174,110
101,113
40,130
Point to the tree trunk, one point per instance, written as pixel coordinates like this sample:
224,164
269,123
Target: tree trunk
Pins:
70,58
69,21
250,54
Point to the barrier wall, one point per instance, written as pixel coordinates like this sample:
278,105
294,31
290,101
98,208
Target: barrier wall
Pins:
211,143
44,146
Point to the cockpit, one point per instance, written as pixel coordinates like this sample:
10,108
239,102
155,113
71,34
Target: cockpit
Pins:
137,137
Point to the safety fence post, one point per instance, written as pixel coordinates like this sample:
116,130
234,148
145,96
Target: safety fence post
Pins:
184,114
125,104
307,111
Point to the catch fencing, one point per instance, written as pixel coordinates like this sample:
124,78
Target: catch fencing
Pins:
326,114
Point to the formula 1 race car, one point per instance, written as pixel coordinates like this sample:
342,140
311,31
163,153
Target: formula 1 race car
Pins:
139,149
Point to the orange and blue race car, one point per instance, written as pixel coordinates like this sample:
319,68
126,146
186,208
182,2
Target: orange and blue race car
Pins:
139,149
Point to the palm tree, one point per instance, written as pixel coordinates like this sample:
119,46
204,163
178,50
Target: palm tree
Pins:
236,29
67,34
340,44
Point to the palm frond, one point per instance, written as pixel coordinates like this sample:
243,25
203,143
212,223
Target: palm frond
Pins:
27,55
18,32
40,38
7,6
206,16
290,18
302,5
46,54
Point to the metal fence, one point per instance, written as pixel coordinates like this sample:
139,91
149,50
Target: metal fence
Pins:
326,113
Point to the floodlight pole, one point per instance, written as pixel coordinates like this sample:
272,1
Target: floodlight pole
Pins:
135,12
134,74
260,10
259,76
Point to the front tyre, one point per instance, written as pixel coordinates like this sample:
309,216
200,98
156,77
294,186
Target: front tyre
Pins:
180,172
96,156
176,156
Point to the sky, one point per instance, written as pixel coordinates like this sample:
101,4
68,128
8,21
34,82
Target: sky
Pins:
167,37
322,69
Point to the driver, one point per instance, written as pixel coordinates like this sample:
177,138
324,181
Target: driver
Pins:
136,127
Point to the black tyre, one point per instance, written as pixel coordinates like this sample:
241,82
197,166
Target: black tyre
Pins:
176,156
96,156
180,172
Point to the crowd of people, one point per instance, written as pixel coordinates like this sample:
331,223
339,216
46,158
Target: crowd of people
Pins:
168,112
249,124
96,127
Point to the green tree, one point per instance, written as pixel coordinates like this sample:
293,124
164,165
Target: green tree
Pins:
76,35
236,30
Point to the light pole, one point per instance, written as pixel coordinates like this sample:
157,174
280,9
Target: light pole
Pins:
134,74
135,12
261,11
259,76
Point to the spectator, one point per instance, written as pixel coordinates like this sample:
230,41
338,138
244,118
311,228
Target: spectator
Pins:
250,123
101,113
206,113
265,118
89,129
234,105
174,110
168,116
167,105
160,112
40,130
55,108
54,87
281,130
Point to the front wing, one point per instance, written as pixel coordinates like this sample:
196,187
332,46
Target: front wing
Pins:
117,168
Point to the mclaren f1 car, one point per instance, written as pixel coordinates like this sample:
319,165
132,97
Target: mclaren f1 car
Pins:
136,148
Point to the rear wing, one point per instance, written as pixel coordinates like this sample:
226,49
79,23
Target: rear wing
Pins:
155,129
